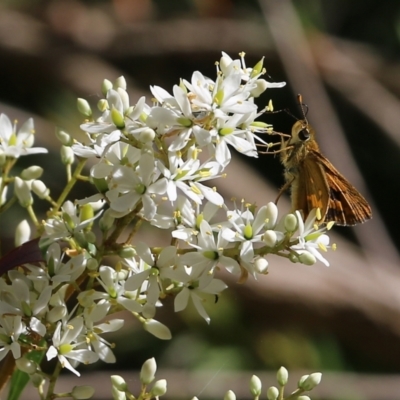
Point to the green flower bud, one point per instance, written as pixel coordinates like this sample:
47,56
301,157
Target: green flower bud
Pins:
282,376
119,383
101,184
92,264
290,223
82,392
307,258
255,386
106,221
272,393
25,365
229,395
84,107
33,172
157,329
67,155
310,382
148,371
106,86
159,388
63,137
117,395
127,252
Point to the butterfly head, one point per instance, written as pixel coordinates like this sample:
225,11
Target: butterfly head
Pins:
302,132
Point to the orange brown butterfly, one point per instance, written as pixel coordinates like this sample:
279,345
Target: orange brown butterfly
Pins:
314,182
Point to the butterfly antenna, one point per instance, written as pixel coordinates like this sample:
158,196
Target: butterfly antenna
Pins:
304,107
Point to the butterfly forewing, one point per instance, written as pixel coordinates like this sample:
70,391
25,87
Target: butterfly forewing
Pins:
313,187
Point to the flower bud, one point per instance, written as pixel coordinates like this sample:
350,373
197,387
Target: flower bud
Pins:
106,221
92,264
106,86
271,215
224,63
147,135
229,395
303,398
33,172
25,365
67,155
120,82
272,393
22,191
261,265
269,238
84,107
307,258
159,388
127,252
63,137
40,189
310,382
282,376
82,392
157,329
255,386
22,233
290,223
117,395
119,383
148,371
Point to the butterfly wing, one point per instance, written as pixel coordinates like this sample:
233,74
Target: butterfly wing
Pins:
312,189
346,206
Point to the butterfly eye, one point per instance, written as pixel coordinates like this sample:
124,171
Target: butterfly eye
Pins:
304,134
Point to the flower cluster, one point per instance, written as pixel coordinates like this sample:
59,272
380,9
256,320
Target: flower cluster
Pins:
150,165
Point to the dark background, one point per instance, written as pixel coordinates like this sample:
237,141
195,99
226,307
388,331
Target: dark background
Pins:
344,57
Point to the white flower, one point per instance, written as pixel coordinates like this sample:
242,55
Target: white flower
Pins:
66,347
195,287
66,225
247,229
146,277
16,144
130,186
114,292
11,327
209,252
311,238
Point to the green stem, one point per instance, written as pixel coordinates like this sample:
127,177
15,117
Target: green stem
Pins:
69,185
53,381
